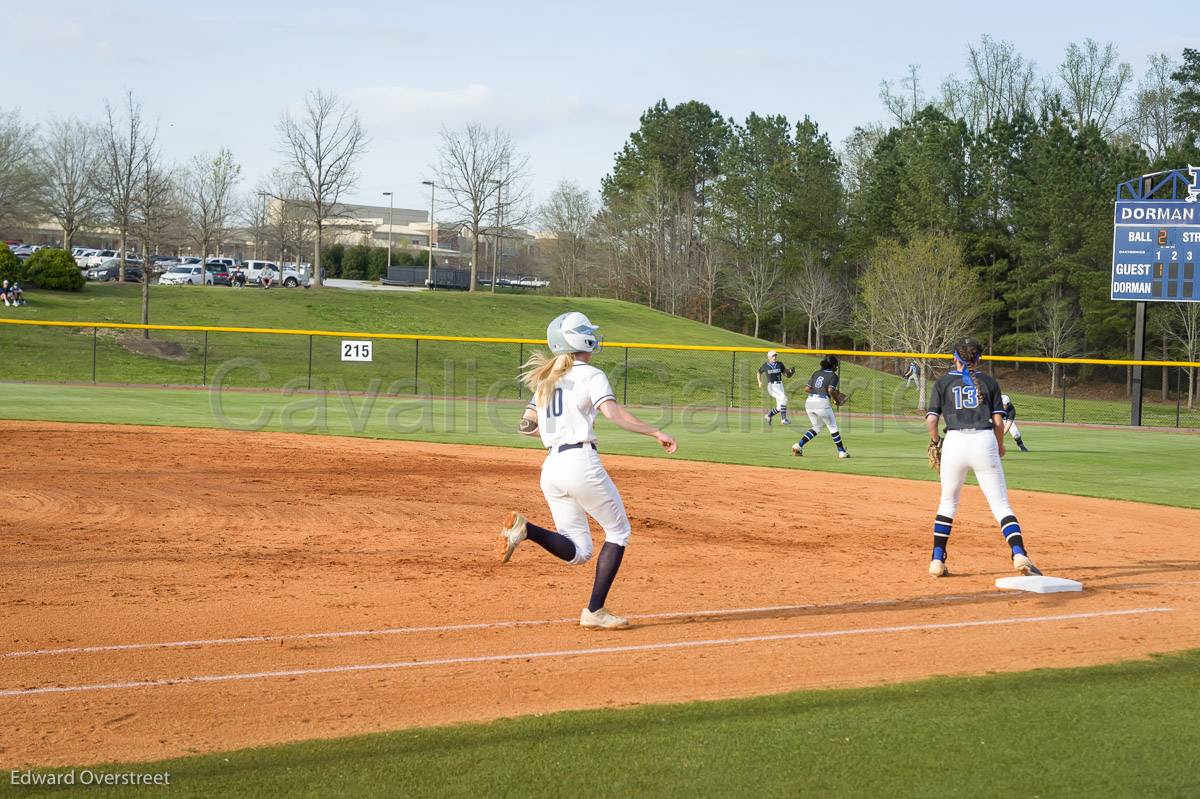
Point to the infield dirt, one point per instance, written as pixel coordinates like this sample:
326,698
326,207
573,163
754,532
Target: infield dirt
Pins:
119,537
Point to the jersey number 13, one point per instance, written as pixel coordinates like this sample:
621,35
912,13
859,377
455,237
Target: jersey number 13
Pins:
966,397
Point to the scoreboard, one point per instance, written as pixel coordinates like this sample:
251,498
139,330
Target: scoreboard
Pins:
1155,246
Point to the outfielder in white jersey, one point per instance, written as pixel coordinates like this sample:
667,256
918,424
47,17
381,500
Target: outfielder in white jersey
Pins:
567,393
970,403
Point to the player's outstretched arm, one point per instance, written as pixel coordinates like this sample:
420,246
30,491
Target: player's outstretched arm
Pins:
616,413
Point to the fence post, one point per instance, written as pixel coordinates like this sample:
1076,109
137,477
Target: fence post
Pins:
625,380
94,334
204,369
417,360
520,362
732,376
310,338
1178,393
1064,396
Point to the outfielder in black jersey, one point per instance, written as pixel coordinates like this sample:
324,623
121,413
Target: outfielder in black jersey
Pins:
775,371
1010,422
822,388
970,404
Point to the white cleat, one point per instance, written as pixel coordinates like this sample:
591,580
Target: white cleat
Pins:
843,454
511,536
798,450
602,619
937,568
1025,566
787,421
767,418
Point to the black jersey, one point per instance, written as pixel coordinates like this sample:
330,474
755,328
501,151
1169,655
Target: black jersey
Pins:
773,371
1010,412
966,407
821,381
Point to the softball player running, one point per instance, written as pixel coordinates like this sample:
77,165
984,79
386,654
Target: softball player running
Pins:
775,372
970,403
567,393
822,388
1010,422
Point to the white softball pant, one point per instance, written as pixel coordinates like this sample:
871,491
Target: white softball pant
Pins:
820,413
776,390
576,486
1013,430
975,450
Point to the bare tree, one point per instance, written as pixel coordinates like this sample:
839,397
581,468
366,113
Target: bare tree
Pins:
289,224
754,277
1181,323
918,297
1154,125
568,216
157,208
908,100
208,190
1058,333
1094,80
1001,82
819,296
68,161
255,216
476,167
124,146
20,183
322,146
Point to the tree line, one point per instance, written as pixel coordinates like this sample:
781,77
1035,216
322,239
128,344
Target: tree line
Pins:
984,206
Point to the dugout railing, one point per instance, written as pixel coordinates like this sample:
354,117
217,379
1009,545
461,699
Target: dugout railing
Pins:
1083,390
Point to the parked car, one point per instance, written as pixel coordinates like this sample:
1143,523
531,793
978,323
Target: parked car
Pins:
85,253
112,271
184,275
98,257
219,276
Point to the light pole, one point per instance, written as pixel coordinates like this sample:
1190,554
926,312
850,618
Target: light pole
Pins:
496,238
388,194
429,277
265,221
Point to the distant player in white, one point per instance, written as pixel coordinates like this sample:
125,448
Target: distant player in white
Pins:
912,376
775,372
970,404
567,393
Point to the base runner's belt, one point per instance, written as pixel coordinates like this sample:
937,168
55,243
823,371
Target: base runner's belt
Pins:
565,447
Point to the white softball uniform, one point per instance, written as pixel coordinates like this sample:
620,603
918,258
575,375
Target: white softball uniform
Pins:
777,391
574,480
1013,430
820,413
975,450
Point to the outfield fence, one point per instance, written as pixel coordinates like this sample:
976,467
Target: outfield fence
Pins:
1086,390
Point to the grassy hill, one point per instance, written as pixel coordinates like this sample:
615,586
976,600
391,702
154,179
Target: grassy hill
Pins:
483,370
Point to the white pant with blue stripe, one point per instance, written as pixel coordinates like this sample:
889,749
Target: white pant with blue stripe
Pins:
975,450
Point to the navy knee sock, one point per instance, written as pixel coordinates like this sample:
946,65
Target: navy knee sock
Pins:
608,562
556,544
1012,535
837,439
808,436
942,525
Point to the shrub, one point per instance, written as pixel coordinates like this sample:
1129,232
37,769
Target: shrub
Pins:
354,262
377,263
331,259
11,267
55,270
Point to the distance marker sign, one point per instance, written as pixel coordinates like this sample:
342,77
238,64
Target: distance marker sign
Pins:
1155,245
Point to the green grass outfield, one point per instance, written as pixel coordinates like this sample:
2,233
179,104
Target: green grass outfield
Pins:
1137,465
639,376
1125,730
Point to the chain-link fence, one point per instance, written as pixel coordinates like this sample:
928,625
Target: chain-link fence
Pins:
687,379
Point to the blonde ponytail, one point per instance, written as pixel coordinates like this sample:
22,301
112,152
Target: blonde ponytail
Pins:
542,373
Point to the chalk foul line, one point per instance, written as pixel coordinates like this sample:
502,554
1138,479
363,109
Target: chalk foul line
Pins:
258,639
602,650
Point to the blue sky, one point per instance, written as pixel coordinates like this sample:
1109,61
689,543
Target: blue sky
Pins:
568,80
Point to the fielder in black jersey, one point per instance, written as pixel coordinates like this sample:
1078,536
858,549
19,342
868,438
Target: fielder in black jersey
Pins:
823,391
775,371
971,405
1010,422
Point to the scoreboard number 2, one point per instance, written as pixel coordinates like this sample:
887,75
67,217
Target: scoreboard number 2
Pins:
356,351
